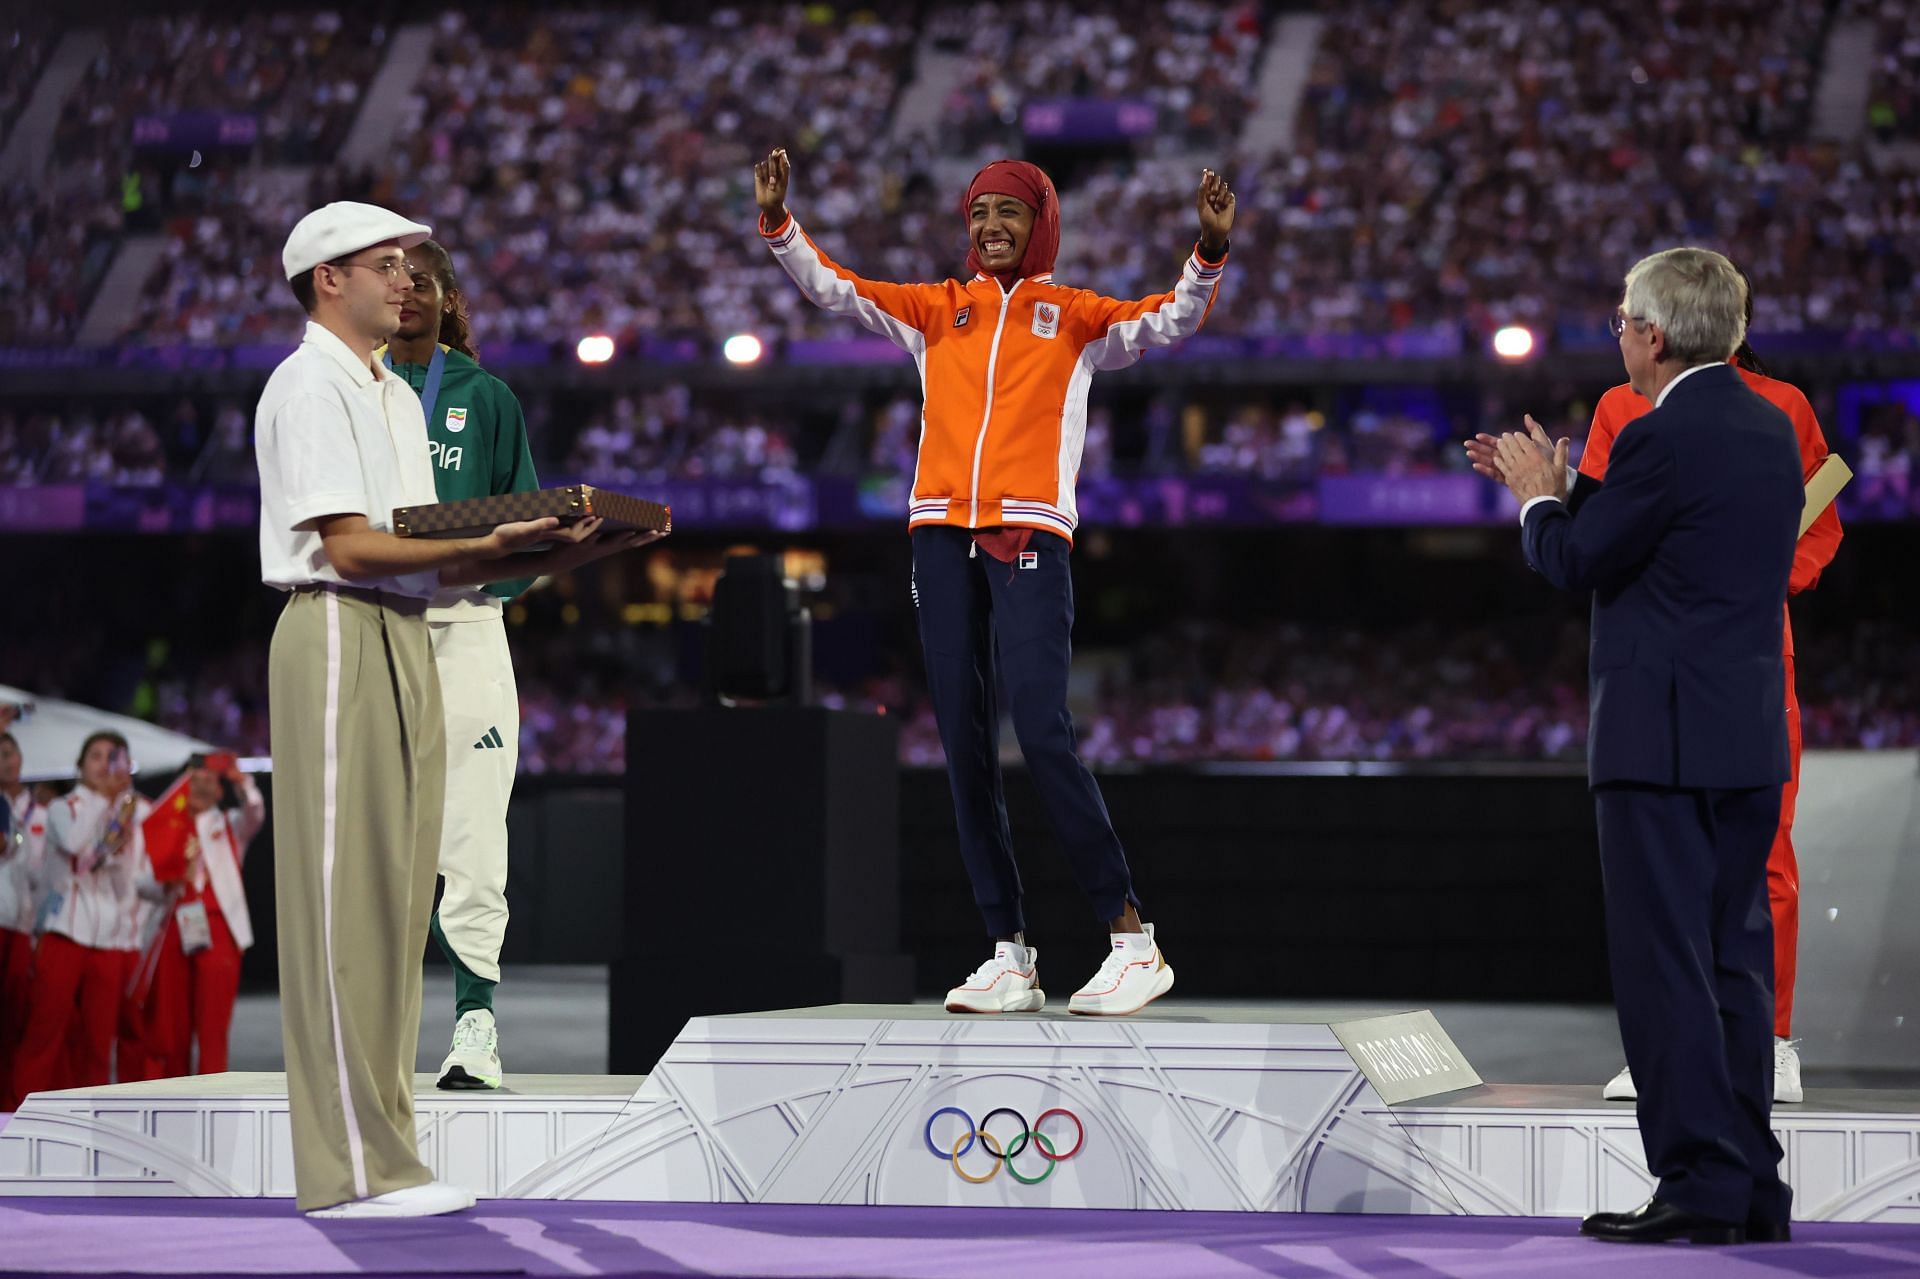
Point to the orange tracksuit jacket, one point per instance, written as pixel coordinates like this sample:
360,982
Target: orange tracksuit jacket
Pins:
1003,375
1817,547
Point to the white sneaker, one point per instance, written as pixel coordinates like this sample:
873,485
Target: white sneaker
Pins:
1134,975
474,1061
1007,983
1786,1077
429,1200
1786,1071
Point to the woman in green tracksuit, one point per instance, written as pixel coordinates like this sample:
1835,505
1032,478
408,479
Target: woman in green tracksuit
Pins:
477,441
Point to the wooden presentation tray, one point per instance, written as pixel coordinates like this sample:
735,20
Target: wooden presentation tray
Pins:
478,516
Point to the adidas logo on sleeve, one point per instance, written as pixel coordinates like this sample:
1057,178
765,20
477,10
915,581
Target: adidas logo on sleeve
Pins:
492,741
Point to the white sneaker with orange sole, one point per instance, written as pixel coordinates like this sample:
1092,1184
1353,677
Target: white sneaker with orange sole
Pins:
1134,975
1007,983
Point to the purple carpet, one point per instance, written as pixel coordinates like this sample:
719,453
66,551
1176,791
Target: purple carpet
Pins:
208,1237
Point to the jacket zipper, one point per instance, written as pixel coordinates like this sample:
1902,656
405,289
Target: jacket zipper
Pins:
980,444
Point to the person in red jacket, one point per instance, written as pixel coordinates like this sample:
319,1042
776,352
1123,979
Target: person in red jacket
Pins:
208,925
1005,358
1815,550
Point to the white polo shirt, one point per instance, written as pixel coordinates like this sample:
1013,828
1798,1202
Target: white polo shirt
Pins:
335,436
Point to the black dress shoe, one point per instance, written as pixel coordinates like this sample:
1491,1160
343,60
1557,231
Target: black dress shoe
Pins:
1765,1230
1656,1222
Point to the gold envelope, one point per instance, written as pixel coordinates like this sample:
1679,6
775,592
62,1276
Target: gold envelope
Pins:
1823,488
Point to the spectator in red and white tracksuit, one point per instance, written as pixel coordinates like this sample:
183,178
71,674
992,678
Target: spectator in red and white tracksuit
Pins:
23,841
94,850
194,990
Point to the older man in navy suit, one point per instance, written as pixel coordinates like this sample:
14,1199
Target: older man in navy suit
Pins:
1686,547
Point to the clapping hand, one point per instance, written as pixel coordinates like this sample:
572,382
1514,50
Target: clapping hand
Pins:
1483,450
1526,472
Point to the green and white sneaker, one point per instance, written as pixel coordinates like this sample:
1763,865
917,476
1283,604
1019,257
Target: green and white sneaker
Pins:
474,1060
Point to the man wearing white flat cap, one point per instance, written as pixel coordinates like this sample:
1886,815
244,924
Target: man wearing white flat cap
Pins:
359,745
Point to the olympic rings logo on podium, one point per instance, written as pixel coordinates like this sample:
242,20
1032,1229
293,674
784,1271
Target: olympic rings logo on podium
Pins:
1004,1155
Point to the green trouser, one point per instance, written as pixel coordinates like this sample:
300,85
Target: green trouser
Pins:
359,770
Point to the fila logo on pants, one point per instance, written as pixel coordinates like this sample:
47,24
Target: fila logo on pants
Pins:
492,741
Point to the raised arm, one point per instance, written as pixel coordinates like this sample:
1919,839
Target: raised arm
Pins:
251,815
1117,332
899,312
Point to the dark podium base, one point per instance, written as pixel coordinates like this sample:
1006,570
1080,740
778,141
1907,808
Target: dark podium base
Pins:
763,869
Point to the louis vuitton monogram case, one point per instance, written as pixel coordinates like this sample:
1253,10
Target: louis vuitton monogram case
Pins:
478,516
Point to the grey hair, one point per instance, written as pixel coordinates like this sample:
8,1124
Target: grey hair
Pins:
1696,297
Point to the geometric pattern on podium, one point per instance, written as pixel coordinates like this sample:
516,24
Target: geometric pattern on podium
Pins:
1850,1154
1233,1109
228,1135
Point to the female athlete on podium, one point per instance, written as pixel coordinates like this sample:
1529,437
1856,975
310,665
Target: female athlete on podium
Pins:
1006,357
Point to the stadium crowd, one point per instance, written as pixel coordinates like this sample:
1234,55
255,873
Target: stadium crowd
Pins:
1454,166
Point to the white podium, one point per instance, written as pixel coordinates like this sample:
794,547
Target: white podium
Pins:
1265,1109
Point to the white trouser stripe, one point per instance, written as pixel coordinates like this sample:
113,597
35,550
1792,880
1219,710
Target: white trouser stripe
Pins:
329,837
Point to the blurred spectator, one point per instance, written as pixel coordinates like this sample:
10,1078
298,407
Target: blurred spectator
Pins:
228,457
25,41
1194,60
1198,692
1893,93
57,237
675,432
219,280
665,433
1884,460
594,169
1455,166
300,72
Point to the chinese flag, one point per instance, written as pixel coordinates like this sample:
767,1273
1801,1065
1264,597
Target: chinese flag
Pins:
167,830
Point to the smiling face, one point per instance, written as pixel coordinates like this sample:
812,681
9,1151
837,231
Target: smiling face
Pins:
1000,226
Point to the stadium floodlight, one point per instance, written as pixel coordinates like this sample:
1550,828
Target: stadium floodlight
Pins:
743,348
1514,342
596,348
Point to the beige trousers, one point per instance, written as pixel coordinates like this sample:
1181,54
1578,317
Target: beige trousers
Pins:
359,771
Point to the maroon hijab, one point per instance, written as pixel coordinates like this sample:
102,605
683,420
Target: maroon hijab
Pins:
1027,182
